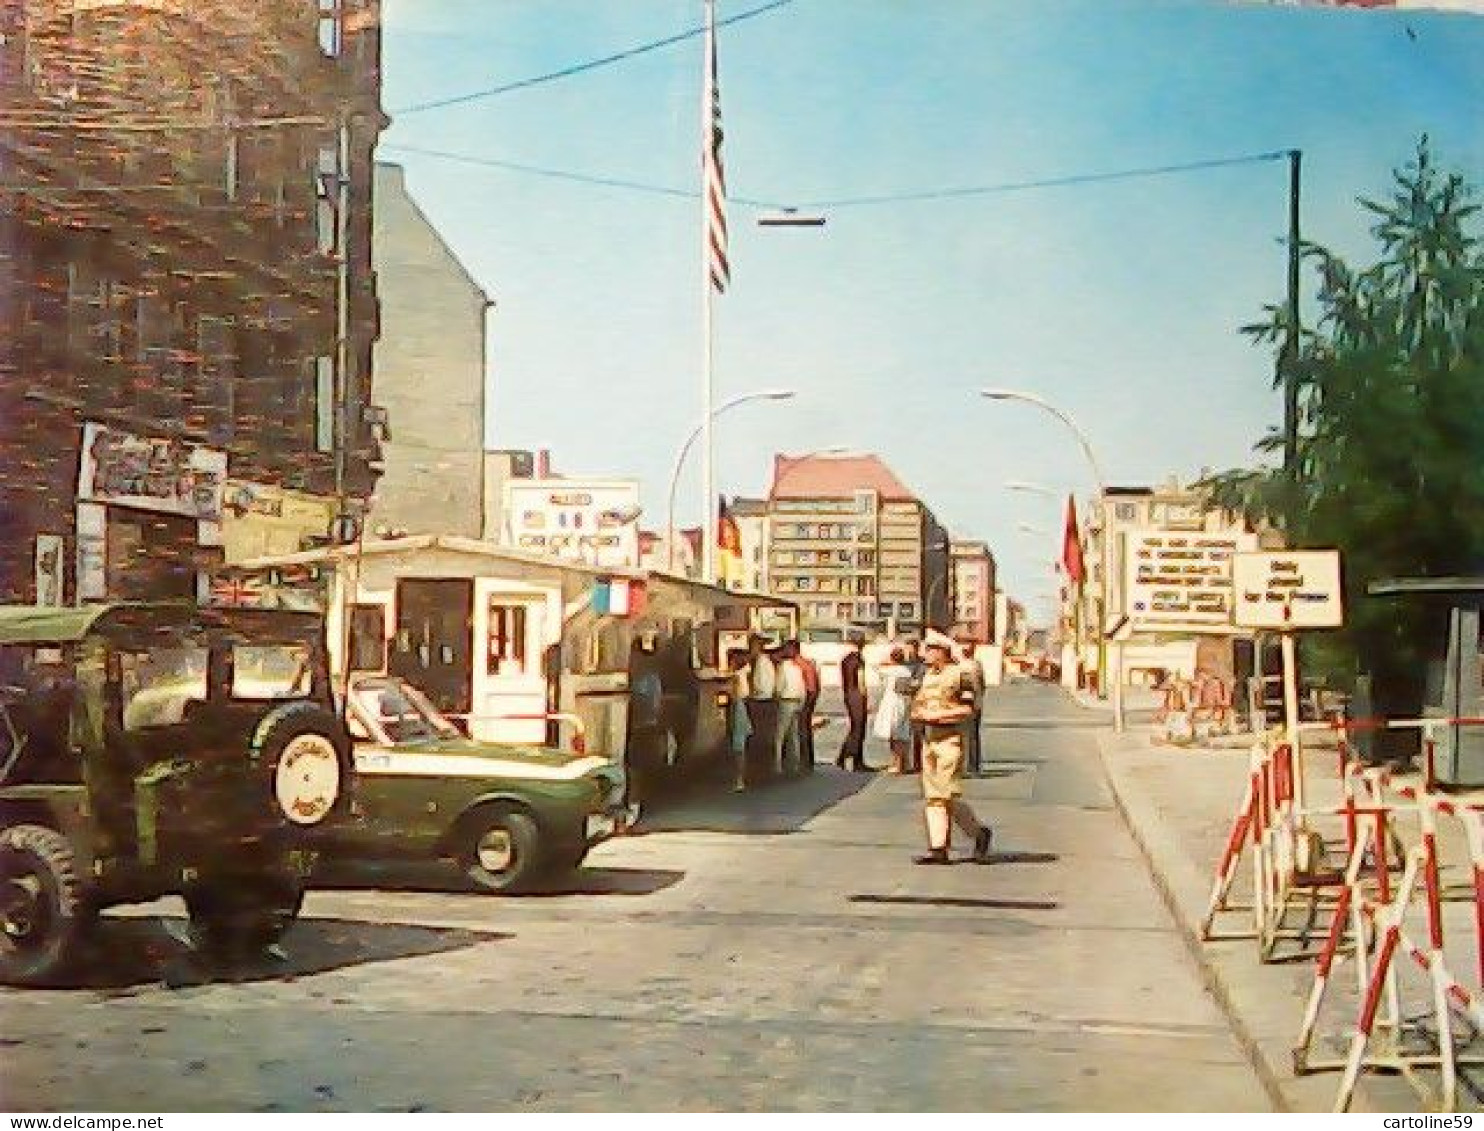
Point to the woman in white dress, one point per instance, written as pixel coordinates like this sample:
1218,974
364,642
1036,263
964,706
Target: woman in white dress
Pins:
893,722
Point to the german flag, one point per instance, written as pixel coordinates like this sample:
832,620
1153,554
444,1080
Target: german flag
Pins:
728,548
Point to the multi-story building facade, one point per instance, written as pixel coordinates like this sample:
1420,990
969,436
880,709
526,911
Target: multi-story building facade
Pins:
187,305
429,374
973,591
852,545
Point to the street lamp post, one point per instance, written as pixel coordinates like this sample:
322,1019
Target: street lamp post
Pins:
690,442
1102,487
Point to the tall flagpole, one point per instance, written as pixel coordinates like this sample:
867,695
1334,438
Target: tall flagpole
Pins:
708,450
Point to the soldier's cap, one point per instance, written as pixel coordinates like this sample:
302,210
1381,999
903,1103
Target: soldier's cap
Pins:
936,639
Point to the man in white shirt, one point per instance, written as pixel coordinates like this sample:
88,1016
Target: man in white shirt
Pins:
762,707
793,690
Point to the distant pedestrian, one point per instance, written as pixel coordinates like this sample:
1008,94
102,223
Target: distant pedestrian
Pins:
793,692
917,666
810,671
853,687
762,706
974,681
942,708
739,726
893,722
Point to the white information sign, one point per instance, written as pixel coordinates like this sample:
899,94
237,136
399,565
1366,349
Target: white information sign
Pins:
594,522
1292,589
1182,579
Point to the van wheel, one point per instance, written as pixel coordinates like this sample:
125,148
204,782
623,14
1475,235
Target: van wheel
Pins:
238,917
42,910
500,850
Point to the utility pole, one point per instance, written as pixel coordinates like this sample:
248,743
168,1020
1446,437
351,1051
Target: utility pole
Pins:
1288,363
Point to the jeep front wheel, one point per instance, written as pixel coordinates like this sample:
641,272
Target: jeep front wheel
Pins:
239,917
42,910
500,850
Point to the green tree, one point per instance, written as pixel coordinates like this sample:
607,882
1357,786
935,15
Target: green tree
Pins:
1391,444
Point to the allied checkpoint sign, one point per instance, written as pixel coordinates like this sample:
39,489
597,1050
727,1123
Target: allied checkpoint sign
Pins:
1289,590
1181,580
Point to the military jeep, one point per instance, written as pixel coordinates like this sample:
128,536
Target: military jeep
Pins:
156,749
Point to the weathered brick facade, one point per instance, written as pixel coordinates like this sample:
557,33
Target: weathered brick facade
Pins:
169,250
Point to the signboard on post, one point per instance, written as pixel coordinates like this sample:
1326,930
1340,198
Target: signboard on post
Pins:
1181,581
589,521
1289,590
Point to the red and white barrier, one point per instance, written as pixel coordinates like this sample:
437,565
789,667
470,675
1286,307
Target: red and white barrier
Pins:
1375,920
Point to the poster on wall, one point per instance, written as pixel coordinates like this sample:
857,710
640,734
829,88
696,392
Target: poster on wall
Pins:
49,569
151,474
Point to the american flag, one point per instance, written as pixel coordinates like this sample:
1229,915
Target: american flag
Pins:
714,174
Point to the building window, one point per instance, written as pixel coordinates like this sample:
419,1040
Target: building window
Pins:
324,404
507,642
330,28
326,182
906,609
367,638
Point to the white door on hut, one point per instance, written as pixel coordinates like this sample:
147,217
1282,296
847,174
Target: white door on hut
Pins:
517,622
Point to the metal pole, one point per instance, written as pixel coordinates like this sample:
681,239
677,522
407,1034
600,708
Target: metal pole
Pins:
1290,355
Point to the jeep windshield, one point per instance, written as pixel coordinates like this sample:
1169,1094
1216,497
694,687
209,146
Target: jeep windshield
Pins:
396,713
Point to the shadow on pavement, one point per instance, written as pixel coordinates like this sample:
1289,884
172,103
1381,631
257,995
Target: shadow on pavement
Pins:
960,901
774,808
1022,858
611,881
132,952
436,878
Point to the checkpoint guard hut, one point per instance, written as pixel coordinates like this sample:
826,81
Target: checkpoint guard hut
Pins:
523,647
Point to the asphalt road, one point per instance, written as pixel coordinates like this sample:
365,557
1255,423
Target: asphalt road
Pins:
776,951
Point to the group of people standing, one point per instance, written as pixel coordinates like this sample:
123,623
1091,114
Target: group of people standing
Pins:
774,695
929,712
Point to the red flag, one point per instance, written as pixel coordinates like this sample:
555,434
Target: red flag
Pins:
1071,546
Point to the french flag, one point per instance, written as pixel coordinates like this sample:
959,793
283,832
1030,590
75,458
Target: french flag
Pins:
618,597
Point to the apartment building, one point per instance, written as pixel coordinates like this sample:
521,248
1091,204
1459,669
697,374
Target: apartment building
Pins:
973,593
852,545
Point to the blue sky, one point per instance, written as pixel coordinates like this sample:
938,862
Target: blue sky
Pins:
1118,301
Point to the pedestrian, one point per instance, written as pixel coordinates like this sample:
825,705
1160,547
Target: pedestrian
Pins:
739,727
853,687
793,691
893,722
762,705
917,666
810,671
942,707
645,752
973,673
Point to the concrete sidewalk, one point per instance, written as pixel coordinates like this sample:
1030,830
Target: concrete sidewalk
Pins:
1179,804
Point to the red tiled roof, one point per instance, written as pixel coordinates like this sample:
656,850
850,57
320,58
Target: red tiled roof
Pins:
834,477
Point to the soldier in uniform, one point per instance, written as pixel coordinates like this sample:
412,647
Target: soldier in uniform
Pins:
941,706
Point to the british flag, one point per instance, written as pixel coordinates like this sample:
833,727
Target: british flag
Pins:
237,591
